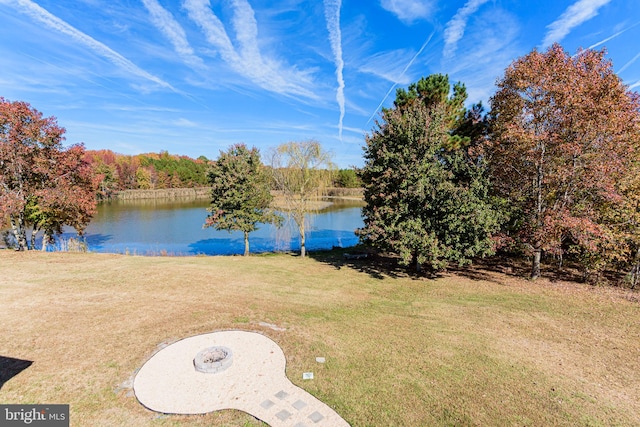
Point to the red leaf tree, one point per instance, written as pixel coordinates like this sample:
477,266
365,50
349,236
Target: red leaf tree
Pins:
43,186
565,132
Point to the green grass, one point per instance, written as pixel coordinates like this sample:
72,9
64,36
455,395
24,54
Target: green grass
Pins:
399,351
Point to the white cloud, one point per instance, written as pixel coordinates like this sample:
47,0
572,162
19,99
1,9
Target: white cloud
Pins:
579,12
246,29
478,65
332,16
408,11
247,60
454,29
163,20
200,12
55,23
182,122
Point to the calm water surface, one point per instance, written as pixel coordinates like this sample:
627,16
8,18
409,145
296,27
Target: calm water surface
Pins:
155,227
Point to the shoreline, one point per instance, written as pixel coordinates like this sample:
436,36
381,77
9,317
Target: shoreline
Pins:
162,193
199,193
205,193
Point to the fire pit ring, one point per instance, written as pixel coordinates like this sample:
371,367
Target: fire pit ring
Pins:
212,360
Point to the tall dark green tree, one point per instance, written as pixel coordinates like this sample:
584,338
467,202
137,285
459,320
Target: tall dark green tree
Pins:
426,193
240,193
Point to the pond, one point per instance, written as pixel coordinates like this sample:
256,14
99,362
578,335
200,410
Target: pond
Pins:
174,227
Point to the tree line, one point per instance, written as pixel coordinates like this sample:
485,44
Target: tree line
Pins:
117,172
552,169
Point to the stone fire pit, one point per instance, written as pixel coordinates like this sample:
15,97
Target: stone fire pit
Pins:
213,360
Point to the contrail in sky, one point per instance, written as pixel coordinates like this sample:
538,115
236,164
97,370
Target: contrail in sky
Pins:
424,45
332,16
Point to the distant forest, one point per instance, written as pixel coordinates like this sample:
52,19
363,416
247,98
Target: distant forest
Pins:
163,170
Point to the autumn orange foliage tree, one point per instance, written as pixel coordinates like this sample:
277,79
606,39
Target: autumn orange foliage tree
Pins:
565,135
43,186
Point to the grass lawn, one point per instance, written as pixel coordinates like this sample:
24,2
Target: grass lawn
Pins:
484,349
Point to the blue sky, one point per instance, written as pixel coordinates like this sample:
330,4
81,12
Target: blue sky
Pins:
195,76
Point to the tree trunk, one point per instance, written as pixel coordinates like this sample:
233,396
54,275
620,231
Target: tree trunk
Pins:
19,234
246,243
535,266
33,239
537,247
635,271
302,238
417,263
561,261
45,240
34,233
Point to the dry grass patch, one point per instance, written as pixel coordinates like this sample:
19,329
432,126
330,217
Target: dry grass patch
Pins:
461,351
